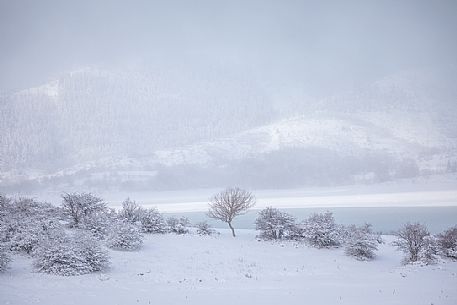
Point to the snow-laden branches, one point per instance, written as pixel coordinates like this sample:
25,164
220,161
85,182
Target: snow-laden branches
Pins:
361,242
274,224
447,242
124,236
81,206
417,243
320,230
67,255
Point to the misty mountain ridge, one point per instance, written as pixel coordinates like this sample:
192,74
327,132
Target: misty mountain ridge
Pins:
172,130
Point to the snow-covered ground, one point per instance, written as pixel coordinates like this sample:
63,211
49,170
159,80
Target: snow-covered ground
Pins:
189,269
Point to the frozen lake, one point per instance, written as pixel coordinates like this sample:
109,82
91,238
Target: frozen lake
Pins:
385,219
387,206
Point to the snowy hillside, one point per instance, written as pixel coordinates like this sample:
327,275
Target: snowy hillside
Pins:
314,150
189,269
348,135
135,130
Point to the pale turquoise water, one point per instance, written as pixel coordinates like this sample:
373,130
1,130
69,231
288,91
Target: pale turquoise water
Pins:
386,219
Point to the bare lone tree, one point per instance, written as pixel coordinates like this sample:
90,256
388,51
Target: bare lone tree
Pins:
228,204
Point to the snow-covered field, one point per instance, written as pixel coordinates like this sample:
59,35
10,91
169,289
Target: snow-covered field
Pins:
190,269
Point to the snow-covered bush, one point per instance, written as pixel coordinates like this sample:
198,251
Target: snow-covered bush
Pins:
4,257
131,211
429,253
4,245
80,207
99,223
124,236
274,224
95,256
88,212
362,242
178,225
416,242
25,237
203,228
24,222
71,255
5,205
152,221
320,230
447,242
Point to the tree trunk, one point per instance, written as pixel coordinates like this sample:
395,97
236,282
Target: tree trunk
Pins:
233,230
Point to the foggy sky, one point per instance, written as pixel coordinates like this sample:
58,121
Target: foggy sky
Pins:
329,46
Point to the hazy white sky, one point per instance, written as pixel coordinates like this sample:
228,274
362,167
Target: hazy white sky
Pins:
330,44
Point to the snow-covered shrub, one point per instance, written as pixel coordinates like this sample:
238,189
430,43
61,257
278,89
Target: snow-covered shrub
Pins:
344,233
26,237
152,221
80,207
203,228
25,223
4,257
124,236
429,253
71,255
320,230
274,224
95,256
361,243
416,242
5,206
99,223
27,208
447,242
131,211
5,218
88,212
57,255
178,225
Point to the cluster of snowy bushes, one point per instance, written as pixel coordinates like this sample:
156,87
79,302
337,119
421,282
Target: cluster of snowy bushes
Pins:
419,245
56,246
72,239
151,221
321,231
